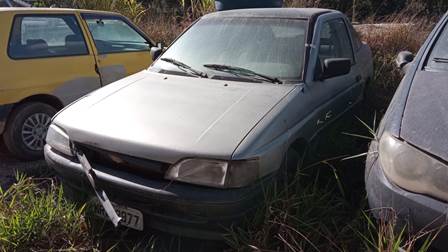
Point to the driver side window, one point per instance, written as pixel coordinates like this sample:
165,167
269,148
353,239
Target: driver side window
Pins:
114,35
335,41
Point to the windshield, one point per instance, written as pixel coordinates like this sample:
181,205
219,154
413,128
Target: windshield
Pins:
267,46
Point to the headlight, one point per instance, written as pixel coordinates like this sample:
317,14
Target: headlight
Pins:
412,169
58,140
214,173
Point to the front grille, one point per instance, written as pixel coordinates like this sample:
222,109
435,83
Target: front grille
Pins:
136,166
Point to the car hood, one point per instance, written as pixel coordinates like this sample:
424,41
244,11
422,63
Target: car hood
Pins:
167,118
425,119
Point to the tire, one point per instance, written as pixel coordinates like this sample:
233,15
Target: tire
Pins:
26,130
292,163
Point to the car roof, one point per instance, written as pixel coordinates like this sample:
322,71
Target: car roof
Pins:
297,13
50,10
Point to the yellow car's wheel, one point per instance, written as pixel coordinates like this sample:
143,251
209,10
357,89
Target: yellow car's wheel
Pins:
27,128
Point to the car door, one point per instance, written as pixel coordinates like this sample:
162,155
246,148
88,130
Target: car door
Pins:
48,54
334,95
121,48
46,62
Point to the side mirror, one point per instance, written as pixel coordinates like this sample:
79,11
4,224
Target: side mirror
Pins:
403,59
156,51
336,67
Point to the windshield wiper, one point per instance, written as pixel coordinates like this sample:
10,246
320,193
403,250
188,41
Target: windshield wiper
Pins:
242,71
184,67
440,60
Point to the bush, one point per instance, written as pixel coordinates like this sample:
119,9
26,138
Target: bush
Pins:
386,40
133,9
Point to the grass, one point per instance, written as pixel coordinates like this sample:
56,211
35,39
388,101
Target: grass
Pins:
325,207
34,215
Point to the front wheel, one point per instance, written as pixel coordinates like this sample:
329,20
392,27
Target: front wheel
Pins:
27,128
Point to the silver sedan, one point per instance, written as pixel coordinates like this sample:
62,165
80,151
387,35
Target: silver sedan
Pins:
188,145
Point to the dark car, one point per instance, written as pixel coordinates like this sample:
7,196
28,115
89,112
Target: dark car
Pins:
407,166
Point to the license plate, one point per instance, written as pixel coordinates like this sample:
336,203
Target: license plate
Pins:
130,217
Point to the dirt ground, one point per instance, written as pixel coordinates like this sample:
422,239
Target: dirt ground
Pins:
9,166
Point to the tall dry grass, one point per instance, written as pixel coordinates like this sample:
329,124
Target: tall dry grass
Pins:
164,27
133,9
393,35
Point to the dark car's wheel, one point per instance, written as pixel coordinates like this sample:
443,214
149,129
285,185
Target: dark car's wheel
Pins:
27,128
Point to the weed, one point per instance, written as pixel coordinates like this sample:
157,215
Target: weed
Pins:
133,9
397,33
34,215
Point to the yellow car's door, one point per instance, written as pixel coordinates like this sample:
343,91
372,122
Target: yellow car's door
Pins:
46,65
121,48
53,51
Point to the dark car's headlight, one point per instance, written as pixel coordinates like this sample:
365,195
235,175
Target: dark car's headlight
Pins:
58,140
413,169
214,173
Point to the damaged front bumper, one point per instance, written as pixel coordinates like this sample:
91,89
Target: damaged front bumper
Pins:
176,208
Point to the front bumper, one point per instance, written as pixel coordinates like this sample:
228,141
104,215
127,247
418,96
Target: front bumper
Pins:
176,208
414,211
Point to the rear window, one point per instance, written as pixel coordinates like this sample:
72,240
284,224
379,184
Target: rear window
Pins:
40,36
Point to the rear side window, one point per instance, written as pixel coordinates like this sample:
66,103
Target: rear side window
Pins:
40,36
438,59
113,35
335,41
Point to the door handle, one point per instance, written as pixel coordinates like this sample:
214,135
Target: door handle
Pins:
358,78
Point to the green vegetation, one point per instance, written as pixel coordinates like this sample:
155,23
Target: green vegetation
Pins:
34,215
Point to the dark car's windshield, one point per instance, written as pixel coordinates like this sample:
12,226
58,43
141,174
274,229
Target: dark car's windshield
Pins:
438,58
267,46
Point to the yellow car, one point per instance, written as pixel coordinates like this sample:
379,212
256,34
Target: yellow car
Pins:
50,57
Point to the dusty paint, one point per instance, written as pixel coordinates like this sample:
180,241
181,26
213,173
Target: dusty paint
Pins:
112,73
73,89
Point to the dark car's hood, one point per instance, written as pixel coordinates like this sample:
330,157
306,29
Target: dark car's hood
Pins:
167,117
425,119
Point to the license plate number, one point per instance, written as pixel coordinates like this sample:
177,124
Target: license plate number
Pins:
130,217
